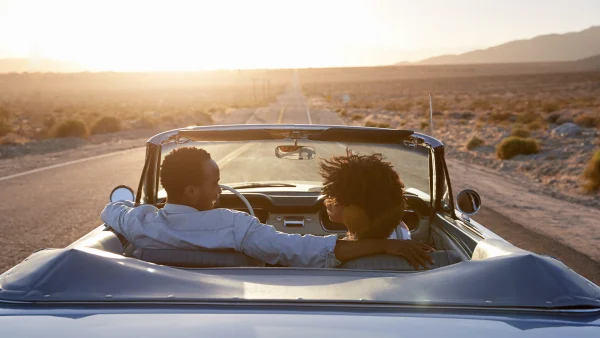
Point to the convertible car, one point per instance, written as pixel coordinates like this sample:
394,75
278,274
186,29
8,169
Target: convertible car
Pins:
479,286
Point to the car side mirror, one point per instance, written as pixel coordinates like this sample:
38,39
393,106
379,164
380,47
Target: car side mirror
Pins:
122,193
468,202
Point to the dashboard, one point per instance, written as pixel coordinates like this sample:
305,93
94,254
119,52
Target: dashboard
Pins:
305,212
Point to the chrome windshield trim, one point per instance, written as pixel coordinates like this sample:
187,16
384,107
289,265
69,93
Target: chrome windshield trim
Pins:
160,138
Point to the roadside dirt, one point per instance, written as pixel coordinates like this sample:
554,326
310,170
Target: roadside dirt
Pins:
24,157
523,202
538,243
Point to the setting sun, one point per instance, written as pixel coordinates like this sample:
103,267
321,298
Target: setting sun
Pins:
186,35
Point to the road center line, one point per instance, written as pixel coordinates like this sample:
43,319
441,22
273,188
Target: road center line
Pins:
340,144
308,116
252,116
222,163
280,115
64,164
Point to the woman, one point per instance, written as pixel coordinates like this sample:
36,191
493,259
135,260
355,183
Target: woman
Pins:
366,194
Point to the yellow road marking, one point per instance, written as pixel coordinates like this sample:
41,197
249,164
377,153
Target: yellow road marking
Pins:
281,115
252,116
222,163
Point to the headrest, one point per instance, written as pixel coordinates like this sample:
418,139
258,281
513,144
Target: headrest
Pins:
196,258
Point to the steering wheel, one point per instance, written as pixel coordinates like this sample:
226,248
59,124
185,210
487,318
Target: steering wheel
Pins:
237,193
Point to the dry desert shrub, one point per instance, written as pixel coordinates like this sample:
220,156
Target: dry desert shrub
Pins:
498,117
591,174
553,118
106,124
519,131
564,119
205,119
217,108
376,124
71,128
167,119
474,142
397,106
5,128
467,115
528,117
587,121
149,123
481,104
5,114
535,125
513,146
356,117
549,107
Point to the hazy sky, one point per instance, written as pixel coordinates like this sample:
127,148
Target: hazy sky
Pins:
175,34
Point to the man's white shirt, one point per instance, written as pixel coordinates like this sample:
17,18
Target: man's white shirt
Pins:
401,232
181,227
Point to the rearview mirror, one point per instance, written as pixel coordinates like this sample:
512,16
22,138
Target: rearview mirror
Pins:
293,152
122,193
468,202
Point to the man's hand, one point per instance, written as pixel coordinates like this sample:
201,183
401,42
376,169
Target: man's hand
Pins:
416,253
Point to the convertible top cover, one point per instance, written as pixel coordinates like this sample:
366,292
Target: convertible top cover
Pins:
276,132
502,277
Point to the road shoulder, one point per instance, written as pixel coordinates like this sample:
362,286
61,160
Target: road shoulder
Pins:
520,201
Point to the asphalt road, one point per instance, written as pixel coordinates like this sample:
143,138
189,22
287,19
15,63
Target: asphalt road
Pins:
53,207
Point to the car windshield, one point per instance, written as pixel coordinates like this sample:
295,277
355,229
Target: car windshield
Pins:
273,162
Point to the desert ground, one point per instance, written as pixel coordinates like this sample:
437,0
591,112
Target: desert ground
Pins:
49,119
472,114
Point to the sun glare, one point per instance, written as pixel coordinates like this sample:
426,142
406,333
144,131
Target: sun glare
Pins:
139,35
187,35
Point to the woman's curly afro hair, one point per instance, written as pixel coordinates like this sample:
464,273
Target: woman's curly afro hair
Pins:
369,189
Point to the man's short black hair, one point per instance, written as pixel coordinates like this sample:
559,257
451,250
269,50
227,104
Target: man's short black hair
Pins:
182,167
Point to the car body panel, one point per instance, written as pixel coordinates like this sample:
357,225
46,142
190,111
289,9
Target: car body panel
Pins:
84,274
269,322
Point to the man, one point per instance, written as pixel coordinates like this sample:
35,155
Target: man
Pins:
189,220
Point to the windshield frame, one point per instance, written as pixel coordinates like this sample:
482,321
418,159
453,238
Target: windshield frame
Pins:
148,188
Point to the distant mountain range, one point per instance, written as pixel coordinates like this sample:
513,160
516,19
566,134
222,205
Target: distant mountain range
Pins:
545,48
581,48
